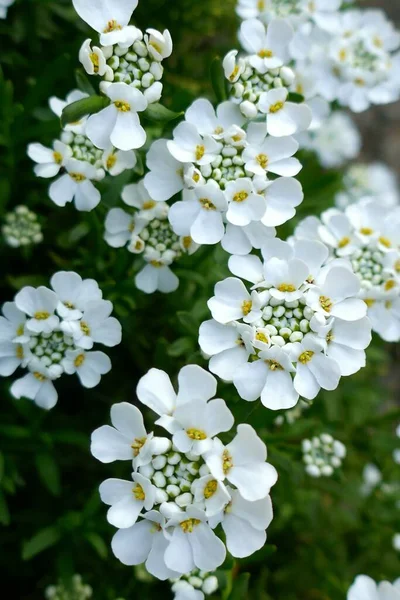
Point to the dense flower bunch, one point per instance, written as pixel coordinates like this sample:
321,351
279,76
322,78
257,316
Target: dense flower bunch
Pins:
194,586
365,588
184,487
375,181
296,11
21,228
366,234
322,455
299,328
78,590
52,331
146,231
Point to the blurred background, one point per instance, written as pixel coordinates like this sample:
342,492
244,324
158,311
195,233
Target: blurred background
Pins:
52,523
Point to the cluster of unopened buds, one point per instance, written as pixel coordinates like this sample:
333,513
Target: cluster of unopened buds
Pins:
184,486
21,228
194,586
52,331
322,455
77,590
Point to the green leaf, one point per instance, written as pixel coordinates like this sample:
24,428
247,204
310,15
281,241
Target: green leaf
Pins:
158,113
4,512
240,587
294,97
75,111
49,473
98,544
218,80
180,347
43,539
83,82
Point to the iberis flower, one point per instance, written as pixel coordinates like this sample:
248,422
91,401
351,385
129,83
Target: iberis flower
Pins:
375,181
366,234
259,81
146,232
322,455
194,586
299,326
238,185
296,12
182,487
21,228
77,162
364,587
50,332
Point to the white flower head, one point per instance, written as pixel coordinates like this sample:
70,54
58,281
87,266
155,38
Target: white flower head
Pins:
269,48
283,117
364,587
158,44
76,185
49,161
92,59
111,22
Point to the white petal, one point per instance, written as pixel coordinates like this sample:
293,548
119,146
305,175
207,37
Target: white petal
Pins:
155,391
195,383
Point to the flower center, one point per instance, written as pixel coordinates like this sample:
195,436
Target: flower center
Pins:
79,360
274,108
286,287
234,73
85,328
188,525
227,462
210,489
207,204
390,284
138,445
58,158
366,231
199,152
262,160
196,434
261,337
385,242
326,303
20,330
69,305
41,315
369,302
78,177
138,492
246,307
39,376
274,365
112,26
240,196
19,352
187,242
111,160
345,241
122,106
95,61
265,53
156,47
148,204
306,357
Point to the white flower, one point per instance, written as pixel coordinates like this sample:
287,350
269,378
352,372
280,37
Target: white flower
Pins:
243,464
365,588
245,204
283,118
193,543
267,154
213,493
232,301
144,542
210,121
375,180
137,196
233,68
189,146
92,59
57,106
158,44
244,524
282,196
115,162
127,439
39,304
119,123
13,324
89,366
50,161
110,21
21,227
323,455
12,356
74,293
269,48
241,240
96,325
37,385
156,277
166,173
127,499
201,215
76,184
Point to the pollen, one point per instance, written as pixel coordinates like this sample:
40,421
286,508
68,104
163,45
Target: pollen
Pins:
330,337
157,263
390,284
369,302
366,231
122,106
58,158
262,160
237,138
342,54
137,445
187,242
148,205
196,434
274,365
188,525
41,315
326,303
306,357
112,25
78,177
131,226
286,287
69,305
199,152
210,489
219,130
95,61
227,462
261,5
240,196
247,305
85,328
19,351
196,177
359,81
265,53
261,337
39,376
385,242
79,360
378,42
20,330
345,241
234,73
111,160
274,108
138,492
207,204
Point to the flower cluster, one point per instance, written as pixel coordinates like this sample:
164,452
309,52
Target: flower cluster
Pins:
259,81
323,455
298,329
52,331
147,232
375,181
21,228
296,11
182,488
366,234
223,170
364,587
76,591
194,586
129,63
80,163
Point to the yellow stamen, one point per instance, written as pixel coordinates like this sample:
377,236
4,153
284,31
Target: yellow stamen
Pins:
274,108
19,351
390,284
69,305
369,302
39,376
157,263
396,267
237,138
41,315
378,42
234,73
20,330
58,158
359,81
326,303
261,5
286,287
188,525
385,242
112,26
274,365
196,434
342,54
79,360
207,204
366,231
306,357
246,307
111,160
262,160
138,445
95,61
265,53
200,151
345,241
210,489
219,130
78,177
156,47
122,106
148,205
85,328
261,337
240,196
187,242
138,492
227,462
330,337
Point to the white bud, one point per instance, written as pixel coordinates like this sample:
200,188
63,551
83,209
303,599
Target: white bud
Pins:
161,496
210,584
327,470
249,109
173,490
184,500
313,470
287,75
159,479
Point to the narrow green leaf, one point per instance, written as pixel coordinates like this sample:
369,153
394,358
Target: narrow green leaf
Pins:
83,82
240,587
98,544
294,97
75,111
43,539
49,473
160,114
218,80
